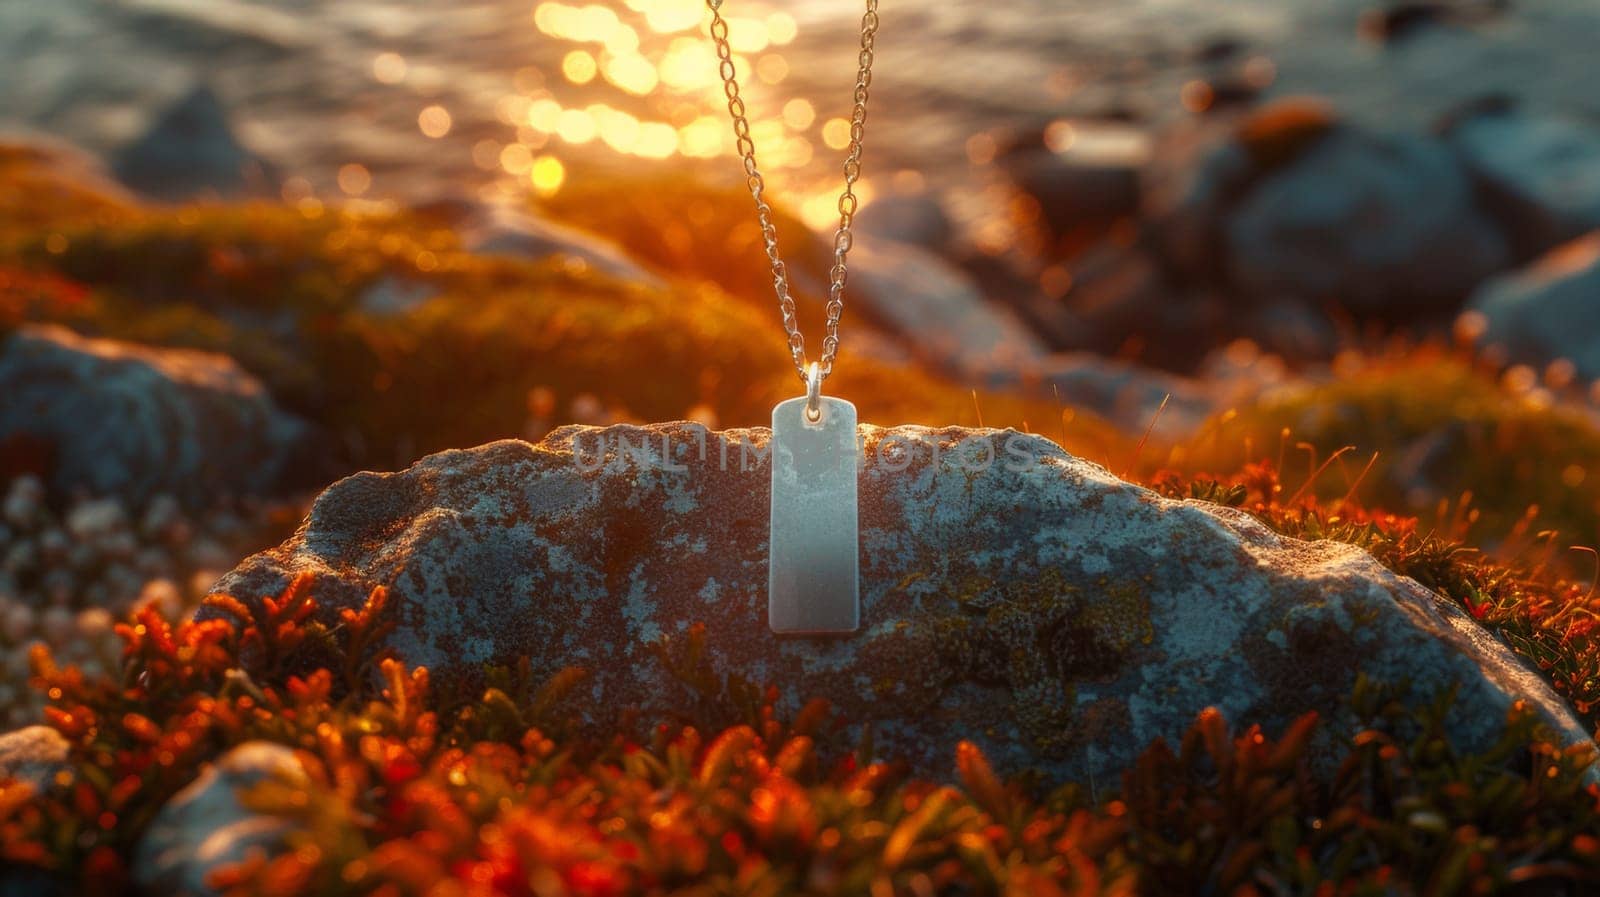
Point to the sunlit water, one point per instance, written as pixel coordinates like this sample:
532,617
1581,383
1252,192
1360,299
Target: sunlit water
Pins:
416,99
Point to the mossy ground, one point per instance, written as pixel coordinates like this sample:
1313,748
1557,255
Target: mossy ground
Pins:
1456,445
491,346
421,793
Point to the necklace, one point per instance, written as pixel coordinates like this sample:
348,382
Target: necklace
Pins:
813,582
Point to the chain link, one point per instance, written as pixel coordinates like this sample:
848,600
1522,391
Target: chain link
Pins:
842,238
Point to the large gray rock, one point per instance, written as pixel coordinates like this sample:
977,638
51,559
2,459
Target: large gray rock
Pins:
1037,605
207,826
1541,173
1292,203
1549,310
135,421
190,152
1384,224
33,755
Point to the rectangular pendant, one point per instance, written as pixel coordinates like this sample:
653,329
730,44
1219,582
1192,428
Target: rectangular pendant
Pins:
812,577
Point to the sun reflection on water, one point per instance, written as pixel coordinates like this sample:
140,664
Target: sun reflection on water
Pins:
639,79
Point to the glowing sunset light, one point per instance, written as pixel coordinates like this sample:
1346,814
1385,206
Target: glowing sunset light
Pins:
618,129
547,174
354,179
545,14
677,77
820,212
668,16
772,68
516,159
836,133
631,72
575,23
691,64
799,114
621,40
704,137
781,28
796,152
768,133
389,68
598,22
576,126
434,121
747,35
486,154
656,140
579,67
543,114
511,109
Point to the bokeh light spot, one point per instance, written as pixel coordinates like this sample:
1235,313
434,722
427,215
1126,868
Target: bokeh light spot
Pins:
434,121
547,174
544,114
389,68
1060,136
576,126
772,68
516,159
632,73
657,140
668,16
799,114
689,64
354,179
579,67
486,154
781,28
981,149
836,133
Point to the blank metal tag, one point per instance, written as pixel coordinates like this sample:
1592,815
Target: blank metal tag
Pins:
812,580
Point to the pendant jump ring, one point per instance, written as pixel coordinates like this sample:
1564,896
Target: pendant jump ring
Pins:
814,392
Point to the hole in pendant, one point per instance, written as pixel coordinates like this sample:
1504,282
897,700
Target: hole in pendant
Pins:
813,416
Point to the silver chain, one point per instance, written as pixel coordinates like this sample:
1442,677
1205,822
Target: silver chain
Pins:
847,200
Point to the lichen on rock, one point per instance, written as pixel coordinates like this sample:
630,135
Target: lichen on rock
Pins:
1013,595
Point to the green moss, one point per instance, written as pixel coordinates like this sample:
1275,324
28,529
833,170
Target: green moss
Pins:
266,259
1444,432
1034,638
